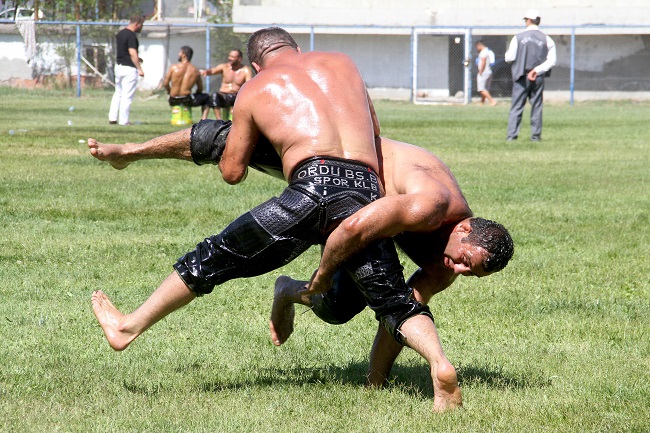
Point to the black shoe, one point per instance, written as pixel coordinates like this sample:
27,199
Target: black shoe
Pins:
511,139
112,122
535,138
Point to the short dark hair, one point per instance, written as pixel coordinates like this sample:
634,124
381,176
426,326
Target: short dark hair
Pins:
188,51
267,40
535,21
136,18
238,52
495,239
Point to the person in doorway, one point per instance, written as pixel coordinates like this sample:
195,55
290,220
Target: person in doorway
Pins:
485,61
127,70
532,54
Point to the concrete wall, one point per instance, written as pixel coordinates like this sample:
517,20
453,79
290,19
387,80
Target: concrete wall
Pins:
440,12
383,54
13,60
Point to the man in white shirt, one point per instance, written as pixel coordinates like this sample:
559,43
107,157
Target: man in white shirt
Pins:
484,77
532,54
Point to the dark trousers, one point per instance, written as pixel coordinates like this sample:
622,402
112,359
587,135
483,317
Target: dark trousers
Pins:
523,89
193,100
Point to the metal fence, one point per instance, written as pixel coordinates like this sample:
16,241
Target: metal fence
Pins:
425,65
593,62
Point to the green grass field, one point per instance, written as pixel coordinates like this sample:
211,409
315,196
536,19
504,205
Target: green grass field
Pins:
557,342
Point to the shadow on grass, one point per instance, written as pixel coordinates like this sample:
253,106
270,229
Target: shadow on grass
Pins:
353,374
496,378
147,390
412,380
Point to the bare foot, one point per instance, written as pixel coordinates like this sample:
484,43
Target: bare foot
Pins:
493,103
446,391
282,312
109,152
111,321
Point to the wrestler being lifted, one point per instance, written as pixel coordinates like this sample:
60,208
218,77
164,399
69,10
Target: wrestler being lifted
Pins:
339,139
424,210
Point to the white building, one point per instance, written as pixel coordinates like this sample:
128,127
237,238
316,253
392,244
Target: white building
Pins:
440,12
381,36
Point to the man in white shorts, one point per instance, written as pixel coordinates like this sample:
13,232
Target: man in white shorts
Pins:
484,76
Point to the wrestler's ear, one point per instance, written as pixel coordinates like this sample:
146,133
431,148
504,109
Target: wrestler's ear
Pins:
256,67
463,227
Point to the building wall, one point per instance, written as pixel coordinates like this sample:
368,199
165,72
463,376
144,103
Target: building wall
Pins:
383,53
439,12
13,59
385,60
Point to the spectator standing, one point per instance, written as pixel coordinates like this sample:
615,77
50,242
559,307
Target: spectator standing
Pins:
485,59
532,54
127,71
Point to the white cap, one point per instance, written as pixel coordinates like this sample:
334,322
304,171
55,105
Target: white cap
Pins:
532,14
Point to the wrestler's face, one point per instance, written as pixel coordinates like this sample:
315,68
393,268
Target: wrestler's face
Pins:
462,257
233,58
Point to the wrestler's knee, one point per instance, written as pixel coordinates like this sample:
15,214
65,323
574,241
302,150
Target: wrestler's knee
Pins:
395,318
205,267
191,280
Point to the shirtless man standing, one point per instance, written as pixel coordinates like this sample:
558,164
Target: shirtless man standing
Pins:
233,75
181,79
323,127
430,220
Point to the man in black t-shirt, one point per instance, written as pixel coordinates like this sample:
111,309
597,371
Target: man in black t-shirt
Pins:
127,71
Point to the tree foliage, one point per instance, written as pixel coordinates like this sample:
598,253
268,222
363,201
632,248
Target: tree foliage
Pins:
225,38
94,10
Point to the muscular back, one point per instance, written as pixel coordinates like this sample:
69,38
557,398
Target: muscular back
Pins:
309,104
409,169
181,78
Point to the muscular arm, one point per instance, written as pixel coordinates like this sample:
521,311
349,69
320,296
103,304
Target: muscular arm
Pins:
384,218
241,141
199,84
133,53
216,70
